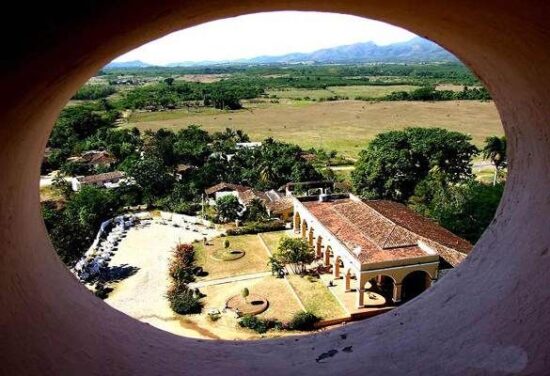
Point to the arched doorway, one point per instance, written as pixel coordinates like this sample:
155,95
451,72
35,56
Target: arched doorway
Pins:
384,285
414,284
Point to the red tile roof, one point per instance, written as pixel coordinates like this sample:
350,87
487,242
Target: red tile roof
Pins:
101,178
384,231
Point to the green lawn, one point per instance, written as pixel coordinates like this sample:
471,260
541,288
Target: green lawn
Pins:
316,297
254,260
271,239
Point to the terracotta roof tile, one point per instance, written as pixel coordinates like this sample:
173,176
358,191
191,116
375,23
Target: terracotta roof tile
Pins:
383,230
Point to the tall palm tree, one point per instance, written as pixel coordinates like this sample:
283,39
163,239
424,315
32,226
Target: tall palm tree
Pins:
495,150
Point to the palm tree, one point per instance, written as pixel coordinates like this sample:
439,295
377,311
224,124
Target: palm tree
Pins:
495,150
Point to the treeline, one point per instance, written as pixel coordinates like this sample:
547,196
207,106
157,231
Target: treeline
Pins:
456,73
431,94
429,169
170,94
94,91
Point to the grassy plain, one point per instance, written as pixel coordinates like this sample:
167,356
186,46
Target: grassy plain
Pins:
344,126
349,91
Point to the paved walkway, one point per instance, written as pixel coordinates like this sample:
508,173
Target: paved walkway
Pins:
221,281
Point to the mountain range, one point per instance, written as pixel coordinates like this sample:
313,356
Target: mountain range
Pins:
415,50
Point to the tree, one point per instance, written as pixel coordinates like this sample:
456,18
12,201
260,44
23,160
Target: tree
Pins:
296,253
495,150
395,162
256,211
152,176
465,209
228,208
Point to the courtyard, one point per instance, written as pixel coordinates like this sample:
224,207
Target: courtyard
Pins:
146,251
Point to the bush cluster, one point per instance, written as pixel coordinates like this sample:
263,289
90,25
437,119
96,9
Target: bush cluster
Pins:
257,227
184,300
259,325
304,321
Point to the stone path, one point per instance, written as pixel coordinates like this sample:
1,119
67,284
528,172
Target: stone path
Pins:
221,281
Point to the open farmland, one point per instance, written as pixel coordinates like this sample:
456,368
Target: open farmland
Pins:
344,126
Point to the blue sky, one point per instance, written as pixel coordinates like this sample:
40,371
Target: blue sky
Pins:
272,33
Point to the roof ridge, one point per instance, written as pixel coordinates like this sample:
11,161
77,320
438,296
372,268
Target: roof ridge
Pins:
361,233
389,235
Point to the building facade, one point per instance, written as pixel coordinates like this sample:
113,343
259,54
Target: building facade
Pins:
379,245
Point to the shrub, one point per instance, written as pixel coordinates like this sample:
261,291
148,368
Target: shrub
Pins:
182,300
259,325
181,266
257,227
303,321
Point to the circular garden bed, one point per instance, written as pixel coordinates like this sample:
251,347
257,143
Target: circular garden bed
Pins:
228,254
252,305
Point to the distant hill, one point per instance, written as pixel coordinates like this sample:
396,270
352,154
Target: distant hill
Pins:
416,50
127,64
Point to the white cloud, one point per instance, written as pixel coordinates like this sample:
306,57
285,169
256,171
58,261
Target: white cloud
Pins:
265,34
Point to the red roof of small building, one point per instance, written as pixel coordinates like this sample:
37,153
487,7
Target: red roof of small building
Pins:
227,187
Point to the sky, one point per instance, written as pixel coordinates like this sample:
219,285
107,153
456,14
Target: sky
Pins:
274,33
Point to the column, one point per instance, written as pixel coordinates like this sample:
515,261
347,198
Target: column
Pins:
360,297
397,293
336,268
327,256
348,281
318,247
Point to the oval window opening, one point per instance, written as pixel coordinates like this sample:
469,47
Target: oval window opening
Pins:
267,182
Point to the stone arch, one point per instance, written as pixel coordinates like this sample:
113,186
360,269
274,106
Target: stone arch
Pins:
415,283
489,37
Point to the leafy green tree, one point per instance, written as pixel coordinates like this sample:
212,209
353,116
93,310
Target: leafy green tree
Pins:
256,211
228,208
296,253
152,175
495,150
395,162
465,209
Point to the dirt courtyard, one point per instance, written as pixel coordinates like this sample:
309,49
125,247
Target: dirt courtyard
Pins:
142,295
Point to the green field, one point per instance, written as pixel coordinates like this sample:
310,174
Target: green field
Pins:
344,126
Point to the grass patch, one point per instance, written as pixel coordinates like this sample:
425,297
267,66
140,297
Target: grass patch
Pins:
254,260
316,297
271,239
